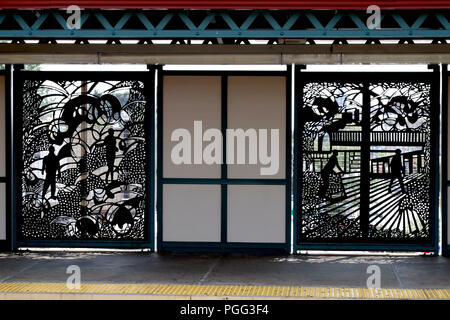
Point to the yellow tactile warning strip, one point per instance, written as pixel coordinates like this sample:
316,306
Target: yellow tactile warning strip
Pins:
225,291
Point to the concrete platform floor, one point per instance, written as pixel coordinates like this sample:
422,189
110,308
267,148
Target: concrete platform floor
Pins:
338,271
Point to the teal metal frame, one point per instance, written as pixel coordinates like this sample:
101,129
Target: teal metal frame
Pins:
6,244
223,245
429,246
146,77
210,25
444,161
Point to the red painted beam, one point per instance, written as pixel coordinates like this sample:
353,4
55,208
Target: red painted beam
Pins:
225,4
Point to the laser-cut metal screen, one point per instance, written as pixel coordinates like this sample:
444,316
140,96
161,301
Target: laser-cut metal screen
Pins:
366,158
85,154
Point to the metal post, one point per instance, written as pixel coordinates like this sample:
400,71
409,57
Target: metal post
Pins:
365,163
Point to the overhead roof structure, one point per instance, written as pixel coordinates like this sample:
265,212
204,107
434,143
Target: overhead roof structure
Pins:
210,25
246,31
226,4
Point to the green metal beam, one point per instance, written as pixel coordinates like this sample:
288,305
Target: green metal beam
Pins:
235,24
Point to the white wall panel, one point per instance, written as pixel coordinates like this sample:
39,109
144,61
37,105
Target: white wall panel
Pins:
191,213
448,213
258,103
448,161
2,128
2,211
2,158
187,99
256,213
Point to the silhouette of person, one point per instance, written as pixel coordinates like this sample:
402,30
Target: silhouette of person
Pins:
50,166
110,144
327,171
397,169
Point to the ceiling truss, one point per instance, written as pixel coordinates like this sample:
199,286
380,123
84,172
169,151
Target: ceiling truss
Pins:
242,27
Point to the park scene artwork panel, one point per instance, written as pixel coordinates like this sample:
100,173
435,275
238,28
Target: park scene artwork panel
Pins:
365,161
84,160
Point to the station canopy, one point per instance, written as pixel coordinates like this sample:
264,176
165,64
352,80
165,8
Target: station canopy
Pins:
226,4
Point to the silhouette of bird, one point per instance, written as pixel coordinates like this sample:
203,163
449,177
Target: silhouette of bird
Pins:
322,108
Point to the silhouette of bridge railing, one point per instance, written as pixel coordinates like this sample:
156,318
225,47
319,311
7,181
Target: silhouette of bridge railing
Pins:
413,162
391,138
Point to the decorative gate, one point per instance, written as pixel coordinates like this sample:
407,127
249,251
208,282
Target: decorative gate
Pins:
84,161
366,159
